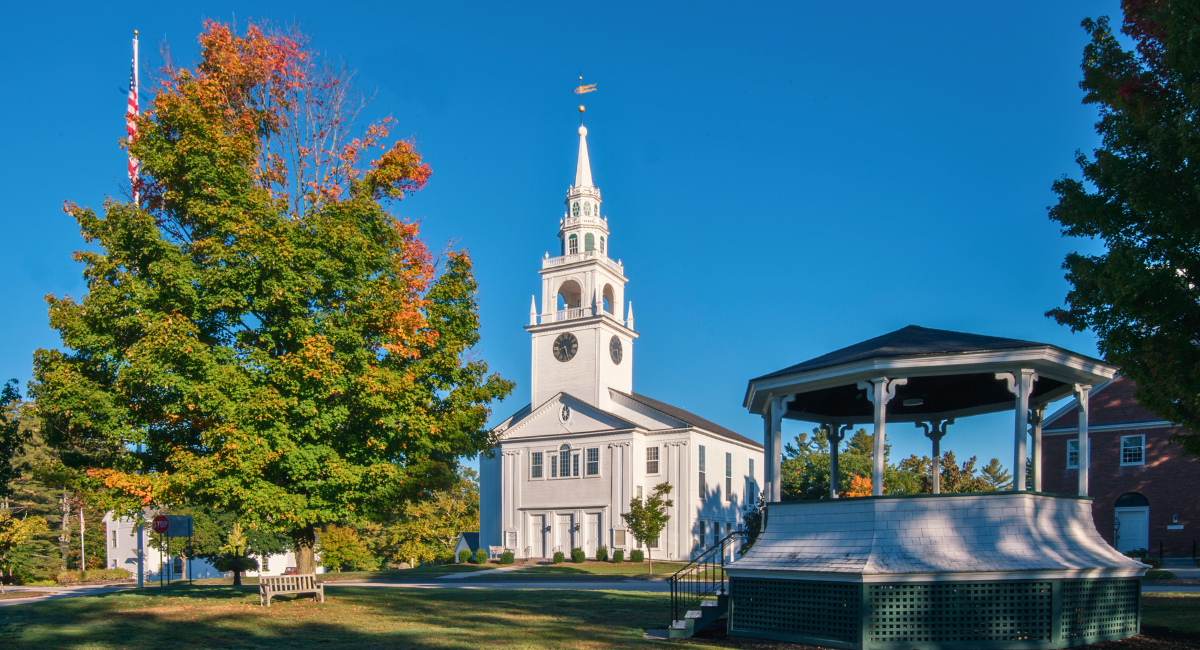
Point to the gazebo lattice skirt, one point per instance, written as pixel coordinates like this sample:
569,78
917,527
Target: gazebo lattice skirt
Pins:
975,614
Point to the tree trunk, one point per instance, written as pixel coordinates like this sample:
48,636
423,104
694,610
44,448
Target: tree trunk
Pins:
305,542
237,578
649,560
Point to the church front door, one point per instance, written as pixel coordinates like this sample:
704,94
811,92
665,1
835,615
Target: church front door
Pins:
593,534
566,536
537,530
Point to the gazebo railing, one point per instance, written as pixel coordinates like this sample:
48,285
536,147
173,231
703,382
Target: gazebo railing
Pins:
702,577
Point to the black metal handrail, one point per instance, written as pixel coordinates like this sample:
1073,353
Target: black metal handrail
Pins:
702,577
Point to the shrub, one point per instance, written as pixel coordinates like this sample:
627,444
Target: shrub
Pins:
577,556
637,555
65,577
481,557
601,554
1159,574
464,556
619,556
507,557
1143,555
559,558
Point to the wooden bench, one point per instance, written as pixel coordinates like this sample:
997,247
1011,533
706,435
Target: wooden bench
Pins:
269,586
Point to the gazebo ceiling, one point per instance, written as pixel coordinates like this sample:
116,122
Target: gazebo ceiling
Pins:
950,374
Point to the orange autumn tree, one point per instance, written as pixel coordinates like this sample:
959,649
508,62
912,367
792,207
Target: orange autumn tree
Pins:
859,487
270,337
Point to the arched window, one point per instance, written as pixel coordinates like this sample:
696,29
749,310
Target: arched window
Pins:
564,460
575,209
589,242
587,209
1132,500
601,243
570,295
609,298
572,245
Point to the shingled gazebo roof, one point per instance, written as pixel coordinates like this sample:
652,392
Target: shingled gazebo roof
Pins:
950,374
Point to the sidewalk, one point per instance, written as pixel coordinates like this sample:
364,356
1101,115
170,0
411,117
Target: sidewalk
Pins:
475,574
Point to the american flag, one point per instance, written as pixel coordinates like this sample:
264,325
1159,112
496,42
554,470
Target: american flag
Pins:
131,115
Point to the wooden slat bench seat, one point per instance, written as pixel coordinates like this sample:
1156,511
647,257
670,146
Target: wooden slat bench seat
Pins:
269,586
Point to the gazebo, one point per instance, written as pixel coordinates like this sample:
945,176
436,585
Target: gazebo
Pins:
1019,569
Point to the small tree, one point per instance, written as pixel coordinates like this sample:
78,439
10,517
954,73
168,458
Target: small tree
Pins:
235,559
648,517
15,536
995,476
340,546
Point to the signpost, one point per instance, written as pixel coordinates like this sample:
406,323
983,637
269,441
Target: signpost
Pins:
169,526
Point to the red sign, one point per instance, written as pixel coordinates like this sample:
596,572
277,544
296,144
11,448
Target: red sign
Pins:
161,524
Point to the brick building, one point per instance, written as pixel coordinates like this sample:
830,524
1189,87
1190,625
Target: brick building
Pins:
1137,476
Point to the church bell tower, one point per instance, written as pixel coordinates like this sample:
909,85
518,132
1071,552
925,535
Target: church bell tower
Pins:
582,335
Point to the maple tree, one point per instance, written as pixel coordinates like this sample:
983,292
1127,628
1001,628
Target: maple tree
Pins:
262,335
648,517
1139,196
427,529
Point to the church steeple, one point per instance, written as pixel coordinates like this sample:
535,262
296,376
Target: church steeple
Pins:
583,168
582,342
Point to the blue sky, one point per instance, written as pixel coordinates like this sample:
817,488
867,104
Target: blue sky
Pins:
780,181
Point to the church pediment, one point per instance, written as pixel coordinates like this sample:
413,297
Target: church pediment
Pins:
562,414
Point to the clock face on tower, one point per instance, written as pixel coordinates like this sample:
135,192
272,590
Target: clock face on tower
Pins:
614,350
565,346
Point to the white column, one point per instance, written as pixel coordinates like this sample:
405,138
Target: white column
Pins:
1020,384
1082,392
880,391
1035,419
768,466
778,408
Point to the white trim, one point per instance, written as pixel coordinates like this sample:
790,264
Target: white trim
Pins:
973,576
1124,426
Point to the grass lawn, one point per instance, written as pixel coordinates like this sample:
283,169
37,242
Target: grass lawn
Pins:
661,569
352,617
1178,611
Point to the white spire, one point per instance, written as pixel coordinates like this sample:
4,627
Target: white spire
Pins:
583,169
629,316
533,310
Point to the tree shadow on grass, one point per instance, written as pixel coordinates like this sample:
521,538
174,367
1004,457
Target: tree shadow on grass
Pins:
352,617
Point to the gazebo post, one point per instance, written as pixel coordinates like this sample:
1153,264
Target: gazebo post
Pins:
1036,415
934,430
1020,384
775,434
835,434
880,391
768,466
1081,392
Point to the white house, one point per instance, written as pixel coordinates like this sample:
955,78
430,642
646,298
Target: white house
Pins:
566,466
121,553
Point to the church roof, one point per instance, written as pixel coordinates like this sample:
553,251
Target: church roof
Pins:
687,416
913,340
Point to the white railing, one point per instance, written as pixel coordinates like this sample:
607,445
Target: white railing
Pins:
583,257
568,314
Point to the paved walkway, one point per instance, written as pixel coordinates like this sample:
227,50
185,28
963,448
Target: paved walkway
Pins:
474,574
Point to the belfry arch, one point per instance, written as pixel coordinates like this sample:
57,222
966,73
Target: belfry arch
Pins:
570,295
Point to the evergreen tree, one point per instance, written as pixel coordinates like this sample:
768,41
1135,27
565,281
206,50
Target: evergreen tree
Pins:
995,476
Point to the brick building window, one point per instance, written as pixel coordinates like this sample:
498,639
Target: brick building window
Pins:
1133,450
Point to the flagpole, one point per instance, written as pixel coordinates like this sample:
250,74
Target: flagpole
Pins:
131,128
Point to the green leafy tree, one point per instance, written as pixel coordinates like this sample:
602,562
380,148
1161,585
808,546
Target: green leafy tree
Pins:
12,437
806,466
427,528
958,478
648,517
995,476
17,535
340,548
1140,196
272,338
234,555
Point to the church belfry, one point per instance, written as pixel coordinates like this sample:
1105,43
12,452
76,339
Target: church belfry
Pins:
583,335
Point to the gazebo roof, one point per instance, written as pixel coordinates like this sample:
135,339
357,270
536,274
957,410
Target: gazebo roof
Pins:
950,374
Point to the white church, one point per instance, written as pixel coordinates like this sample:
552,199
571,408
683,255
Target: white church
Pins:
566,466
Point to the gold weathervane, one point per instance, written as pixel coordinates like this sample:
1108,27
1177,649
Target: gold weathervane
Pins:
581,89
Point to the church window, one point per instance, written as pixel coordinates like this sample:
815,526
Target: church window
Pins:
593,461
587,209
703,485
651,461
266,563
639,492
589,242
564,461
572,245
553,466
575,465
654,543
601,243
575,209
728,476
536,471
